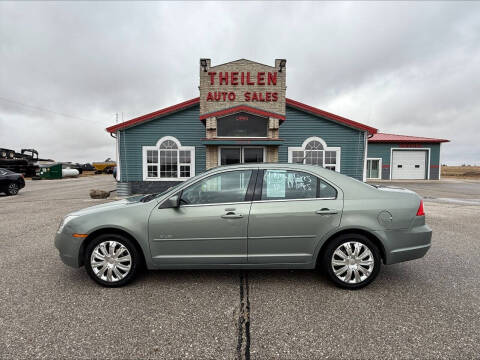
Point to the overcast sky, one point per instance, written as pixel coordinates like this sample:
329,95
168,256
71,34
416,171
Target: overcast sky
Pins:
406,68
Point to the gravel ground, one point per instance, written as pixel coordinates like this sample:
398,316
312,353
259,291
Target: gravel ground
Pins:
52,311
428,308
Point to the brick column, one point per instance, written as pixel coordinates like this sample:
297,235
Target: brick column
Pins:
211,156
211,127
272,154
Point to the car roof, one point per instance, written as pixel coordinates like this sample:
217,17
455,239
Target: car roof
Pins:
348,184
313,168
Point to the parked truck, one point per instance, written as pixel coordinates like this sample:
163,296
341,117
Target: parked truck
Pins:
25,162
105,167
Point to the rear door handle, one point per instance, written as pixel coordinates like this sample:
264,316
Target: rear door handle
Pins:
326,211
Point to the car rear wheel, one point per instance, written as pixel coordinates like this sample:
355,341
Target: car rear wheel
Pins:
12,189
352,261
111,260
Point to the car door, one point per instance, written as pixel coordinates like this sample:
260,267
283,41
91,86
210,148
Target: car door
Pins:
210,224
3,179
291,212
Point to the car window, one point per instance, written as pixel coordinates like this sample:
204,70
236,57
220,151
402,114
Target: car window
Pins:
287,184
327,190
225,187
2,172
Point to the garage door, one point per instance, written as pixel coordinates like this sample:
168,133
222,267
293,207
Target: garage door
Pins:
409,164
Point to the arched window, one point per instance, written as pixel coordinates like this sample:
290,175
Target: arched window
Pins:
314,151
168,160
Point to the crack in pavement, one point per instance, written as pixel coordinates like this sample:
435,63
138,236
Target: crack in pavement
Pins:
243,345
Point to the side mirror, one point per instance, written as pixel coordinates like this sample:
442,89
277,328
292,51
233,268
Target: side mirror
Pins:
172,202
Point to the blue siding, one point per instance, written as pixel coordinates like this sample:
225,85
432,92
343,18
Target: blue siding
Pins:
189,130
383,150
300,125
184,125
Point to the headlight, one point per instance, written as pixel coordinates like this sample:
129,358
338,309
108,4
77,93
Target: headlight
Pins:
64,222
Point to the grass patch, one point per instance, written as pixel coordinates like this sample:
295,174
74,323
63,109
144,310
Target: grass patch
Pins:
461,171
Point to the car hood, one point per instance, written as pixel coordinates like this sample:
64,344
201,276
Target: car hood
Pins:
110,205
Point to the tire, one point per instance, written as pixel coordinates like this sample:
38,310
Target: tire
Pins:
115,273
352,271
12,189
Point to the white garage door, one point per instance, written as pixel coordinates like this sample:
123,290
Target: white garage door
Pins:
409,164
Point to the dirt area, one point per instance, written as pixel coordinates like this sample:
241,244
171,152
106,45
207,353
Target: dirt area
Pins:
87,173
461,171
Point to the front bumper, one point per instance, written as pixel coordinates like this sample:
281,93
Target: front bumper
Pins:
405,245
69,248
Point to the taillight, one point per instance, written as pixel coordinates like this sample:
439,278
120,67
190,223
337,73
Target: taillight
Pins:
420,211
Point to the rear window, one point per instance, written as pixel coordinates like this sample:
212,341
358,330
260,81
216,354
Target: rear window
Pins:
327,190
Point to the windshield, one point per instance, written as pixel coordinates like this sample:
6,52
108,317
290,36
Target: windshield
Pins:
150,197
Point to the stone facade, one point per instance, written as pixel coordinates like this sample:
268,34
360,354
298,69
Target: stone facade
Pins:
273,126
272,154
239,66
211,156
211,127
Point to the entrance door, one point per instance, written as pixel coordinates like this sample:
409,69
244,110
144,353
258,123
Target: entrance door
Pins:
230,155
240,155
373,169
252,155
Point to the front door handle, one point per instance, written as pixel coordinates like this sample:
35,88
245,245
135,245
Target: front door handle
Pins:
232,215
326,211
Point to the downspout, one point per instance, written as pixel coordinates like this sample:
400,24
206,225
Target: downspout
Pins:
365,150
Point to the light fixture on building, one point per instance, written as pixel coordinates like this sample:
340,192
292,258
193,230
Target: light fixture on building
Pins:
203,64
282,64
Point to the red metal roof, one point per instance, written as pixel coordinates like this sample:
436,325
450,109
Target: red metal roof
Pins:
152,115
331,116
195,101
392,138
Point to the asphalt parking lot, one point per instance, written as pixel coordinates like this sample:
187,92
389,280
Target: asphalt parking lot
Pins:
429,308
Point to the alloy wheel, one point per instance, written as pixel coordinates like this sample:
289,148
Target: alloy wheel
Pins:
111,261
352,262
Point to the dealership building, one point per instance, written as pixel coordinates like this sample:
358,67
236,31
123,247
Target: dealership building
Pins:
243,115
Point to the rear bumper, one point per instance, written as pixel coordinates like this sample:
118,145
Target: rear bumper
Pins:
405,245
69,249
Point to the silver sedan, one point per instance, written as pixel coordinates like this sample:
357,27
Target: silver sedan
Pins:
251,216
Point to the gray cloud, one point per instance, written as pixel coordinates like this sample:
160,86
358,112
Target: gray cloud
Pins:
407,68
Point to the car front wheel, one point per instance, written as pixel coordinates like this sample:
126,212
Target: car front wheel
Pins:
352,261
12,189
111,260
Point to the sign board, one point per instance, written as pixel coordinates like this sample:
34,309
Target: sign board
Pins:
276,183
242,82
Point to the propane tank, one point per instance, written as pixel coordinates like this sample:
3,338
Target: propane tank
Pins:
69,173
